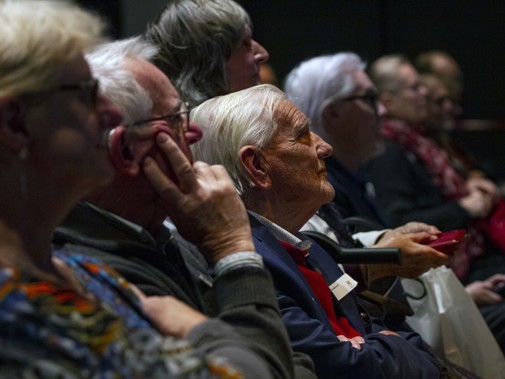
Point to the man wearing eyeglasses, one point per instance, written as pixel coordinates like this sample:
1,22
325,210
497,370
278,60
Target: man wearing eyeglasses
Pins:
155,177
342,103
345,111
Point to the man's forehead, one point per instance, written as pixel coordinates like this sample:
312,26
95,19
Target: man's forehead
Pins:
154,81
289,114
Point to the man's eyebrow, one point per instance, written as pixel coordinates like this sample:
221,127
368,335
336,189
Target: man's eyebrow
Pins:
302,127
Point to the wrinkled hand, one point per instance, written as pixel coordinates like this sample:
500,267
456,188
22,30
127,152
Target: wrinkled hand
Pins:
416,257
411,227
482,292
355,341
204,206
171,316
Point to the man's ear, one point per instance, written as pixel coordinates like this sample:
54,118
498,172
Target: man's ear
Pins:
255,165
122,153
13,132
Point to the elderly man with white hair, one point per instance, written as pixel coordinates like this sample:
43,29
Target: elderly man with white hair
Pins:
278,167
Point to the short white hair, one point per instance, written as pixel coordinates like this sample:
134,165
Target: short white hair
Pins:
109,62
247,117
320,81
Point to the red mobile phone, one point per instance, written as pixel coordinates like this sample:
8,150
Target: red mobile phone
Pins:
448,242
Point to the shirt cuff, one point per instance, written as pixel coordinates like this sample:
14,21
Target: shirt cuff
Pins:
369,238
239,259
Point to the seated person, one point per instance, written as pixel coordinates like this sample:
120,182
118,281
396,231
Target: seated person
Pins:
155,177
206,48
415,179
277,165
64,315
424,185
349,122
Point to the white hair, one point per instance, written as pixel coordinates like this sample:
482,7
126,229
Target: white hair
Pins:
320,81
229,122
109,65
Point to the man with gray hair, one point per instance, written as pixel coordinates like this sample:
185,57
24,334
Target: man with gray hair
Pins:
341,101
155,177
277,165
206,48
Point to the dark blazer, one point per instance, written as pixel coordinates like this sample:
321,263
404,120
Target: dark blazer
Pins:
310,332
407,193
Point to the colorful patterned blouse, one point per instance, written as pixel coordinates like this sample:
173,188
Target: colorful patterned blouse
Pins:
51,332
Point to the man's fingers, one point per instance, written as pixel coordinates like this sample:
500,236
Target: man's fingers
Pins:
178,161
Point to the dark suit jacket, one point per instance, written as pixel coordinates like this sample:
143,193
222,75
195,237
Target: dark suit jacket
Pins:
407,193
310,332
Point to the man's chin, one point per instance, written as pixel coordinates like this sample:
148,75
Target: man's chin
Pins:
329,193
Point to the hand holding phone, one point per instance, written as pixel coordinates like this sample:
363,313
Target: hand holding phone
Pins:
448,242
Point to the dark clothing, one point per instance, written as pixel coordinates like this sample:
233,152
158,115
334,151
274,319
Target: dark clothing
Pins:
310,331
406,191
243,297
353,195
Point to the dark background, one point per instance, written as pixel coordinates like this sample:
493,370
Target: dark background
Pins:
472,31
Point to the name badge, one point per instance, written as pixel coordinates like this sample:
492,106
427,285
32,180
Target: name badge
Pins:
342,286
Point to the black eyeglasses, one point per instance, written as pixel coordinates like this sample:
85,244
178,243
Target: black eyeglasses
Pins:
178,120
372,99
89,90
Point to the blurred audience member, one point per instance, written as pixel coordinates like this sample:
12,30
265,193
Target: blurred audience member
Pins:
443,65
206,48
416,180
439,123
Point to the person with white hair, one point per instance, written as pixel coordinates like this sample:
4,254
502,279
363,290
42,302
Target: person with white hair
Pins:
277,165
123,223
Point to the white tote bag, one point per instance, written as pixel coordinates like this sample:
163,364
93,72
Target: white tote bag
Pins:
449,321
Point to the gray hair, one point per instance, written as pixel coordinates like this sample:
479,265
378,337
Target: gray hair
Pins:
38,37
384,72
109,64
246,117
320,81
196,38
